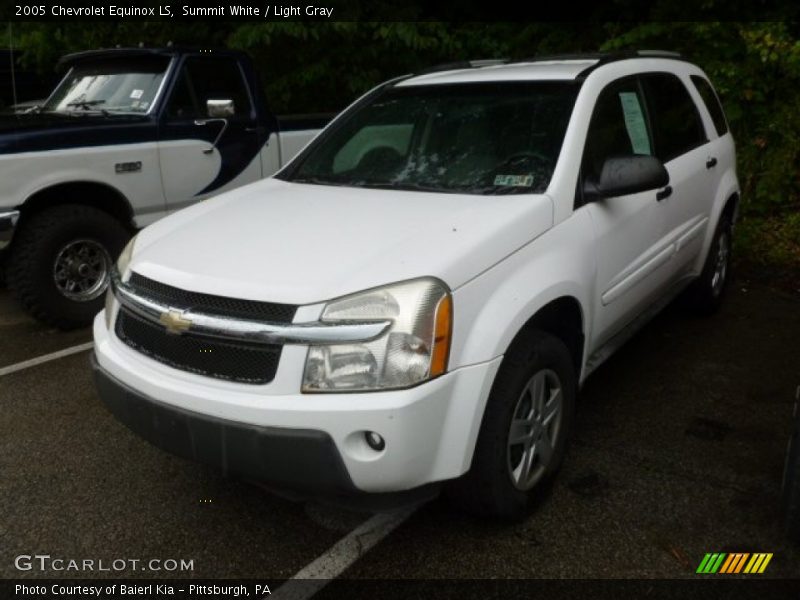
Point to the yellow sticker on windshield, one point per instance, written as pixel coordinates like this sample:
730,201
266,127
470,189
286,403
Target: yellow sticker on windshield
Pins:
514,180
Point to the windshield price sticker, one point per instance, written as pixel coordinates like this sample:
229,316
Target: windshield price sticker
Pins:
514,180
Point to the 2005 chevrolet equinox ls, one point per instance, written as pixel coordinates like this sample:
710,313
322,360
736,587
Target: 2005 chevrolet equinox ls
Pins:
414,300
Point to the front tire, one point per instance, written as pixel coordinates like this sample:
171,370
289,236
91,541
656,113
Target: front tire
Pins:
523,436
60,263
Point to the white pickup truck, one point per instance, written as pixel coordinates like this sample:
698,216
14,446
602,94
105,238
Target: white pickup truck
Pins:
416,298
127,136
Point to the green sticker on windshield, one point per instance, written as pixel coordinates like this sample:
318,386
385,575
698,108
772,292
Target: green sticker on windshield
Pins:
514,180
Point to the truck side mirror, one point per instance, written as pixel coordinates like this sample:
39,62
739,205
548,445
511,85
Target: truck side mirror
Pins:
220,108
623,175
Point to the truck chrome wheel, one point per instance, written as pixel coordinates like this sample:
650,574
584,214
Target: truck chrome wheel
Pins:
535,426
721,263
81,270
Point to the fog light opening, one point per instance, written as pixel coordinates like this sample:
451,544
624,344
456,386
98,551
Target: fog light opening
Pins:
374,441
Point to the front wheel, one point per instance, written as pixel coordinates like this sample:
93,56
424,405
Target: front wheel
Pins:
61,262
523,436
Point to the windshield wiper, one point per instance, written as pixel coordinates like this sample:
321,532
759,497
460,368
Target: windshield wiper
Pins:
88,105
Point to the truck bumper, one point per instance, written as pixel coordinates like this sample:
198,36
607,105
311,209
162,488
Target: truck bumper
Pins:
312,443
8,223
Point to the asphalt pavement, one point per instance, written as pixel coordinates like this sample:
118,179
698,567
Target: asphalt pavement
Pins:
677,451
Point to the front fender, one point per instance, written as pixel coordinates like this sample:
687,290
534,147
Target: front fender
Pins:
491,309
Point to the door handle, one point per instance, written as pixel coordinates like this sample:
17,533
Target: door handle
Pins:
665,193
711,162
203,122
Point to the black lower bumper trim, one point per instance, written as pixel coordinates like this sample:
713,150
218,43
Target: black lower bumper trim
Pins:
301,459
304,461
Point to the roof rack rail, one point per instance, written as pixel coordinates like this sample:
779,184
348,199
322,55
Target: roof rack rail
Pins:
628,54
463,64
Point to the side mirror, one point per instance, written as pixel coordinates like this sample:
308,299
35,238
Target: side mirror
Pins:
623,175
220,109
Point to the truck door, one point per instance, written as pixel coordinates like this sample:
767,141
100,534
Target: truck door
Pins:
208,135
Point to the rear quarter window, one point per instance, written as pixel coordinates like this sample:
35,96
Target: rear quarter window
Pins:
711,100
676,120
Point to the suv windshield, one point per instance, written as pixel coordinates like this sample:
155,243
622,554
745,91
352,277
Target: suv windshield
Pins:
476,138
118,85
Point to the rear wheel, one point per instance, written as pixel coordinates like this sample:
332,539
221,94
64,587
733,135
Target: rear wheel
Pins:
61,262
523,436
705,295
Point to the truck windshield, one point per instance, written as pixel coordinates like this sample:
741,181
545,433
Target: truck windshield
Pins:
109,85
475,138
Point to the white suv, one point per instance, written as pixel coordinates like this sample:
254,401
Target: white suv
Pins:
416,298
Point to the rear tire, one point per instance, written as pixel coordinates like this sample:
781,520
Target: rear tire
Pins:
60,263
705,294
523,435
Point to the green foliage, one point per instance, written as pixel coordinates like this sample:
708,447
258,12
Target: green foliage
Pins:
322,66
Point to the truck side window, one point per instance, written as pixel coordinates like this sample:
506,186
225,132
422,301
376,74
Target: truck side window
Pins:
619,127
711,100
677,126
183,102
208,78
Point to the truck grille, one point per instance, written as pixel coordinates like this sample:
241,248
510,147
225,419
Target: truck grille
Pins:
221,359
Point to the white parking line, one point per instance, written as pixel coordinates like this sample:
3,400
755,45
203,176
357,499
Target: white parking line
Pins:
45,358
315,576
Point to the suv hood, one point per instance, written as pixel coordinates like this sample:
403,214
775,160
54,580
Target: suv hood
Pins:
302,244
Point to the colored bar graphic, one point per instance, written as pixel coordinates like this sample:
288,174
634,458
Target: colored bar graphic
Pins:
734,563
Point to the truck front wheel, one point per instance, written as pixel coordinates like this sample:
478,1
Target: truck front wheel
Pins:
61,260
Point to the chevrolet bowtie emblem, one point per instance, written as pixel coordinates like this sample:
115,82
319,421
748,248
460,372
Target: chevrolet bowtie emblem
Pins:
174,321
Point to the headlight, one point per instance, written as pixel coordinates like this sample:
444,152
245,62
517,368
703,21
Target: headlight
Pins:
124,259
414,349
123,262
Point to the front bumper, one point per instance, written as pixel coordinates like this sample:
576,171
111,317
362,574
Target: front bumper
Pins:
288,440
8,223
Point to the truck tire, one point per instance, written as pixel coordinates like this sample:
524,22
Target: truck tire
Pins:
791,482
60,263
705,294
523,435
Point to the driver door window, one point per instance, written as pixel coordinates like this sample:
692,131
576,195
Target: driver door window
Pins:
204,79
619,127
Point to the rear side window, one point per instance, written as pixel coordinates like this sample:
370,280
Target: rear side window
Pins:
712,103
677,127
